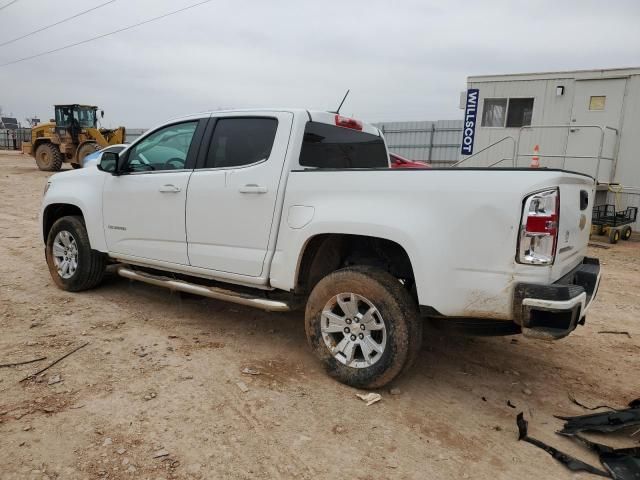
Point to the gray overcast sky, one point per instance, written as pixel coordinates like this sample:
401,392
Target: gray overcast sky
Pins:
402,60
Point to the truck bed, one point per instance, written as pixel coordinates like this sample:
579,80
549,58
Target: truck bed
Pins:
459,227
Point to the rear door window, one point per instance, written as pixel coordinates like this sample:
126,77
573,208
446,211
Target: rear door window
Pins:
328,146
238,142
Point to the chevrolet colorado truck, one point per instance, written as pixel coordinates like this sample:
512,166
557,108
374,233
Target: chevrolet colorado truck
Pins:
286,208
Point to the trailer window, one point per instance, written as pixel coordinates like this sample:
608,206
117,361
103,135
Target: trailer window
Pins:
597,102
494,112
519,112
507,112
328,146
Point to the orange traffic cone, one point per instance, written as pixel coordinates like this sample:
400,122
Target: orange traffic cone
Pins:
535,160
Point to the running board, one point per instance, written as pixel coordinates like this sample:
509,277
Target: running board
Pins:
210,292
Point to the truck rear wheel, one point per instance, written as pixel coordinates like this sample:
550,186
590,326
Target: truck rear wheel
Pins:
48,157
73,265
363,325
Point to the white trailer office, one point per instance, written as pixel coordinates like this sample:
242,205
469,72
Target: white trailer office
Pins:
586,120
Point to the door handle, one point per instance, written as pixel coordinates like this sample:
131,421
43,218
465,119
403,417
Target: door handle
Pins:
253,188
169,189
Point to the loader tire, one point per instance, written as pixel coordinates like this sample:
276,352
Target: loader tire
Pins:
84,150
363,325
48,157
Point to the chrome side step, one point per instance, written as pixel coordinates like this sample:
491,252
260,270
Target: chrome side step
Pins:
211,292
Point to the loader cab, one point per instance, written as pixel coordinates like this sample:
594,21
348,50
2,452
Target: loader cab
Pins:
72,119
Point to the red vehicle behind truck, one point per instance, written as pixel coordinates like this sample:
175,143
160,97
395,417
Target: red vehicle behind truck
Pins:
398,161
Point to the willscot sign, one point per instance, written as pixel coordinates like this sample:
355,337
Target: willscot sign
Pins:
470,120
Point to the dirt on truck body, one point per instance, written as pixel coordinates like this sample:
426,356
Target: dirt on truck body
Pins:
173,386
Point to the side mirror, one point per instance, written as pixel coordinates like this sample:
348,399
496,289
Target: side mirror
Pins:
102,113
109,163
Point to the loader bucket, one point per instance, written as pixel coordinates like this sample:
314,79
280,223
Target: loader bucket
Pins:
27,148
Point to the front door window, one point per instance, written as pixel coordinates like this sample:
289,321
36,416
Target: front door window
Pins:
165,149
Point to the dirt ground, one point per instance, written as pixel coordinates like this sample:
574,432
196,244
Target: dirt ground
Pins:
156,393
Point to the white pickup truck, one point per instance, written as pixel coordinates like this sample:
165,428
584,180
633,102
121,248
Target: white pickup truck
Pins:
286,208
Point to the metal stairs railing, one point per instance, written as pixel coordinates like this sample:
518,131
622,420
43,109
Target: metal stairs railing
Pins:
517,154
487,148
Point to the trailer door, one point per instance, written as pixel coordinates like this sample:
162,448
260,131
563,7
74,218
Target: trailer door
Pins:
598,103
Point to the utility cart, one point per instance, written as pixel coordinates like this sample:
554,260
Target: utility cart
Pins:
615,224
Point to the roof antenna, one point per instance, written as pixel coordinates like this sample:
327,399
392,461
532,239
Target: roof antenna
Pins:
342,102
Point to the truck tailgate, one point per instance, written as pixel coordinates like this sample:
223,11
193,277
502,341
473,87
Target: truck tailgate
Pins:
577,196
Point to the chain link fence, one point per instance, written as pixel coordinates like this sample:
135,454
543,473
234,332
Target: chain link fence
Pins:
436,142
12,139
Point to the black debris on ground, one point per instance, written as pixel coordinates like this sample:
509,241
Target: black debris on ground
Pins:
601,422
567,460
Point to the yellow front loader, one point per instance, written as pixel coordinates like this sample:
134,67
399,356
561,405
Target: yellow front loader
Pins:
70,137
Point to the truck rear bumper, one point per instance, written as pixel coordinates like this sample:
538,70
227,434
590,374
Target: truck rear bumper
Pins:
553,311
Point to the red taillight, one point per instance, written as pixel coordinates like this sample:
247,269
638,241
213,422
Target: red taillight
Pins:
543,224
347,122
539,228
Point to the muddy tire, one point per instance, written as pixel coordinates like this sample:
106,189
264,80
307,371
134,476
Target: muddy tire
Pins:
626,232
73,265
48,157
363,325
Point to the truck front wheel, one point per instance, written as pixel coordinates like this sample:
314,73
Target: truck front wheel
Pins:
363,325
73,265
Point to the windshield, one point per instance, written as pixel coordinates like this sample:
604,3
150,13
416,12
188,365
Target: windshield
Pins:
86,117
83,117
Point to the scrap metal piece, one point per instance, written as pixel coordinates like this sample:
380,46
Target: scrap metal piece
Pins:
601,422
567,460
580,404
621,467
600,448
622,463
